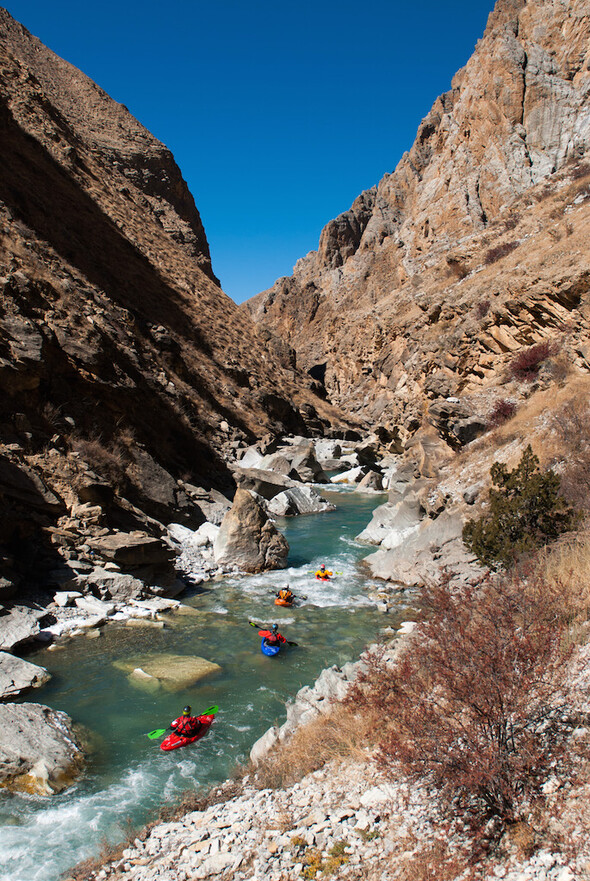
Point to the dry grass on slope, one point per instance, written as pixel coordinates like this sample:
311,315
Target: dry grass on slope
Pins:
344,733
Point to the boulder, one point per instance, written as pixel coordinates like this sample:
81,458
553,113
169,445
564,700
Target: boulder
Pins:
372,482
20,626
167,671
264,483
299,500
248,539
39,752
108,585
17,675
305,467
353,475
131,550
421,558
391,524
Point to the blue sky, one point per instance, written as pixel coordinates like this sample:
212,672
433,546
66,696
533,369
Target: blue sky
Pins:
279,115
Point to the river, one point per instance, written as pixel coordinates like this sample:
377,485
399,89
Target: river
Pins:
127,776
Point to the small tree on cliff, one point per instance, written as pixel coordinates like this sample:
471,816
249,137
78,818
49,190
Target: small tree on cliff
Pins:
525,513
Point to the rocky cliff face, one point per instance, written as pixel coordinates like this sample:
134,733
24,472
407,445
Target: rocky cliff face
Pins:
473,249
118,350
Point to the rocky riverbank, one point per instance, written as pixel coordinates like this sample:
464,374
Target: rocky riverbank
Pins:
349,820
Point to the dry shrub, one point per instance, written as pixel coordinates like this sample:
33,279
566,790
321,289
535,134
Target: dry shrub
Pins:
482,308
526,364
341,733
108,460
434,862
499,251
502,411
472,698
571,425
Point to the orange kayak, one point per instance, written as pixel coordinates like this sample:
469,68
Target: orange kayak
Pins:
280,602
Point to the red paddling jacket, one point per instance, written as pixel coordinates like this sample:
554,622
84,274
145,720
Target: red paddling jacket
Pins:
271,638
186,726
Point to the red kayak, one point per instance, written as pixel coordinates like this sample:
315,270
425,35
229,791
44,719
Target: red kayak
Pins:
173,741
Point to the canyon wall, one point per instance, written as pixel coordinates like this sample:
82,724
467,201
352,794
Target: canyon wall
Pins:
123,365
472,250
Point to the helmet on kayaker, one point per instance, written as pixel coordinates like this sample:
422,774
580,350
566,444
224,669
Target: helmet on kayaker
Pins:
275,628
186,711
323,566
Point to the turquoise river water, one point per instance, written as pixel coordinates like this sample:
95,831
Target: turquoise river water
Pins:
128,777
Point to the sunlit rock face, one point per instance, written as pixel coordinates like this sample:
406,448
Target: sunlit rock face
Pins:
472,249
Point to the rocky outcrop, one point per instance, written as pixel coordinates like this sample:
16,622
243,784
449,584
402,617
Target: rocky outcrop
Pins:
470,252
248,540
126,374
18,675
39,752
19,626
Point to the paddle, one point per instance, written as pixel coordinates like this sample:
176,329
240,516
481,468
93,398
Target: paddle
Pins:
296,596
158,732
333,573
260,627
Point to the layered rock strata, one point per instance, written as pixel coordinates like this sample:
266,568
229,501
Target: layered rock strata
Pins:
473,250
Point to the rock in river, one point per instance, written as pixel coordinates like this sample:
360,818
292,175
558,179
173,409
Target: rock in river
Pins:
17,675
248,539
38,749
173,672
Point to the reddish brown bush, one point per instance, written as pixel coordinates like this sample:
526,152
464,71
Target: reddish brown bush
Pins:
482,308
527,363
499,251
471,700
503,411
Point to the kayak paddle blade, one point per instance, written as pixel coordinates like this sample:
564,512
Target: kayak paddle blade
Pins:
157,732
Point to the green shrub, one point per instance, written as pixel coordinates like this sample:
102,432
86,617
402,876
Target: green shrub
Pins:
525,513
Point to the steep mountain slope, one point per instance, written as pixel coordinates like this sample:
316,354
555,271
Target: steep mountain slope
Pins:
475,247
117,347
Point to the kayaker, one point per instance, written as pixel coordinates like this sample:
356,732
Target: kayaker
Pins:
186,725
272,637
323,574
286,594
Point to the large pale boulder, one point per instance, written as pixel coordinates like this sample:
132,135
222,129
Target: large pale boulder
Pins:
17,675
391,524
39,752
372,482
168,671
19,626
264,483
298,500
248,539
434,546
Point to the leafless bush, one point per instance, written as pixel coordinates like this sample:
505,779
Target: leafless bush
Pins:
471,702
108,460
457,267
512,222
526,364
482,308
499,251
502,411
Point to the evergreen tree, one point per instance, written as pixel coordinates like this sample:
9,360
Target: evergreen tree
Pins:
525,513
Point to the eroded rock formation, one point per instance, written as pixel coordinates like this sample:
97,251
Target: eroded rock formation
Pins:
125,372
472,250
